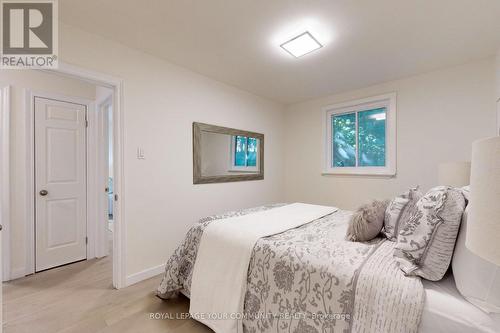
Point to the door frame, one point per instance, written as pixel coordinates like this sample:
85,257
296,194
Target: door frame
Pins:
91,191
5,179
93,170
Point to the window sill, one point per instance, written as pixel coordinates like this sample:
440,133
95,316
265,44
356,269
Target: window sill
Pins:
243,171
361,173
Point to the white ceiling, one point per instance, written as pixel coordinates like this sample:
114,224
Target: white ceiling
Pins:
237,41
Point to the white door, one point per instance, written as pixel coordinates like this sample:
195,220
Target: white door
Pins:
60,183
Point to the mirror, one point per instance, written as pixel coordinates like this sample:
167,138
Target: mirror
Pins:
222,154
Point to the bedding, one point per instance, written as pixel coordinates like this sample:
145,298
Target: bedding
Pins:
446,311
397,212
310,279
367,221
219,275
426,241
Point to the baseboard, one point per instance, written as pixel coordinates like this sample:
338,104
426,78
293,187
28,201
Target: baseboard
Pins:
144,275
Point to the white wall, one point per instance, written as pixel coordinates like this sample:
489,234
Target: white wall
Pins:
19,80
439,115
161,101
497,69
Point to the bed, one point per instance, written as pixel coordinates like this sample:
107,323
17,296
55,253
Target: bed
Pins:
334,285
446,310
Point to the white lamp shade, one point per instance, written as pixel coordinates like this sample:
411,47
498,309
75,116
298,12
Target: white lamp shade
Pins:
456,174
483,228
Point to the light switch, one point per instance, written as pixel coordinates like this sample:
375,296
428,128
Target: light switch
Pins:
140,154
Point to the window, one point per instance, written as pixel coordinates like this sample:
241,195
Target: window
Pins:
361,137
244,153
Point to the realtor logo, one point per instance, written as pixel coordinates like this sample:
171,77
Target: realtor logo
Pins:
29,34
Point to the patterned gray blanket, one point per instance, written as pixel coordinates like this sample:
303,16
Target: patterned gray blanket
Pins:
310,279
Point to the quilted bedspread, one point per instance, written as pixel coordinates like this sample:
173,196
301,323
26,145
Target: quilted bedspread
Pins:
310,279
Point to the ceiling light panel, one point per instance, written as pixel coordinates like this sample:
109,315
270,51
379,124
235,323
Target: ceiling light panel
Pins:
301,45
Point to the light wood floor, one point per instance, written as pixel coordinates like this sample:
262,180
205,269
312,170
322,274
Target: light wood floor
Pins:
80,298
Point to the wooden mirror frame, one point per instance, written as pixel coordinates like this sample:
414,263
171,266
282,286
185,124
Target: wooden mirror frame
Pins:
198,178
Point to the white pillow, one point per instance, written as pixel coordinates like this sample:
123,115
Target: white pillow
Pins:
477,280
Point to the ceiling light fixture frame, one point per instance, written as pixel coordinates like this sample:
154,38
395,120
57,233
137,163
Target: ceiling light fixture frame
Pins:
297,37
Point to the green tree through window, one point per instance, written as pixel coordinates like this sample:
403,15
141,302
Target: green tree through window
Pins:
245,151
359,138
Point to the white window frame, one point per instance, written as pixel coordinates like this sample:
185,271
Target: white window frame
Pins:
235,168
386,100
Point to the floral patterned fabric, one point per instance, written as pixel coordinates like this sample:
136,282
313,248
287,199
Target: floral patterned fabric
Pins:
397,212
425,243
310,279
179,267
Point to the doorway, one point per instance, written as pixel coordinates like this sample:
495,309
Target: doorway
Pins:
104,101
24,89
115,84
107,114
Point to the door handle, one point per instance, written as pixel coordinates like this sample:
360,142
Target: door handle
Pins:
43,193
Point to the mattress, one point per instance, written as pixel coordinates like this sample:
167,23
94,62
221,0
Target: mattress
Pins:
446,311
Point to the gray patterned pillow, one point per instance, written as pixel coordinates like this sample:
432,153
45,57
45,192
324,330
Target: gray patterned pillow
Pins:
367,221
425,243
398,211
